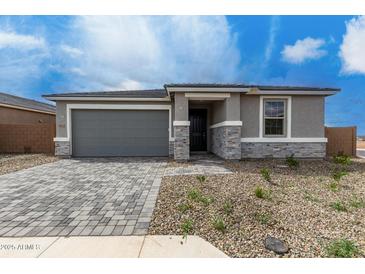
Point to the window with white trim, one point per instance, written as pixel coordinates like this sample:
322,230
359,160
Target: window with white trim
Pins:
274,117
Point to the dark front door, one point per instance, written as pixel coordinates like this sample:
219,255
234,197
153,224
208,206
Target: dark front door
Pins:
198,129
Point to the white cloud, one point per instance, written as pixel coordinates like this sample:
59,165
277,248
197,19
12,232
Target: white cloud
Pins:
143,52
303,50
352,49
21,42
274,28
71,51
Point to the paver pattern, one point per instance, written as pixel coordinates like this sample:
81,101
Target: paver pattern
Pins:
114,196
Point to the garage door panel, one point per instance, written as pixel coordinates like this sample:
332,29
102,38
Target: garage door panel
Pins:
120,133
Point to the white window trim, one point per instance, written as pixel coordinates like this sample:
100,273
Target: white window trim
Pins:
70,107
227,124
288,114
284,140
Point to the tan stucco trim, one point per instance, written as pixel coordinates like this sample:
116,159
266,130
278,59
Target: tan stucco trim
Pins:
27,109
207,96
227,124
284,140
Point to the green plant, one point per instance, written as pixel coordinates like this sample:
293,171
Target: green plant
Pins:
206,200
342,248
263,218
337,175
357,203
201,178
194,194
262,193
342,159
292,162
339,206
187,227
228,207
184,207
333,186
219,224
265,173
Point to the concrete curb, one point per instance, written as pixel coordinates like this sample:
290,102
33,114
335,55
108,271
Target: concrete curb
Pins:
150,246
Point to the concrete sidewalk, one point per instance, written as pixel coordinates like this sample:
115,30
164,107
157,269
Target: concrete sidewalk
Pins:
108,247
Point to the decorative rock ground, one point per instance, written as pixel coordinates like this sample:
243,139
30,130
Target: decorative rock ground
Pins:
276,245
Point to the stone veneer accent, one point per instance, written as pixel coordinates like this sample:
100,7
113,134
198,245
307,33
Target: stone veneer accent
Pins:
282,150
171,148
62,148
226,142
182,143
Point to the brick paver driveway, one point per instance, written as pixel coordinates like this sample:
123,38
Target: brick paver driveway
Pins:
81,197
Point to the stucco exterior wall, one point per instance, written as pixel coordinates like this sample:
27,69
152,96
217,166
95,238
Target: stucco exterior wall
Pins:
250,115
218,112
307,116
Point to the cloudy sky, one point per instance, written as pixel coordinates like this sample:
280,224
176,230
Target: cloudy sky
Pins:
44,54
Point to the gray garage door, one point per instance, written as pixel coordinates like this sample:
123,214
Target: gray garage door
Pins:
120,133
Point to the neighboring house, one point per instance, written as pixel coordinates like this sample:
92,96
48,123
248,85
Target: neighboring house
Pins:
230,120
26,125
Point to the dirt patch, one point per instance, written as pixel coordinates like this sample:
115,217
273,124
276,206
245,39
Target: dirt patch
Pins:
14,162
299,206
360,144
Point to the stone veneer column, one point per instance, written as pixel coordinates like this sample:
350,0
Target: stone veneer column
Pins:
226,142
182,142
62,148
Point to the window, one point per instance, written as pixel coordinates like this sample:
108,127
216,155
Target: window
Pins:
274,117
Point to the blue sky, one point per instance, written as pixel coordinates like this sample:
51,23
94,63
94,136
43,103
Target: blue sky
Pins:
43,54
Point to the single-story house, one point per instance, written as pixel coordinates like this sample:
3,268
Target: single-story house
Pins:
233,121
26,125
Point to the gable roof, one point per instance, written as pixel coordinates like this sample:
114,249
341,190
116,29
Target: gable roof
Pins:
24,103
146,93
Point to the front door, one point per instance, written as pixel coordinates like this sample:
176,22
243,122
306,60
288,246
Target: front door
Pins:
198,129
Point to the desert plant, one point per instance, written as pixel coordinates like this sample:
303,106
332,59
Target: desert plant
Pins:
265,173
357,203
206,200
187,227
201,178
342,159
228,207
184,207
263,218
338,174
339,206
333,186
262,193
194,194
218,224
342,248
292,162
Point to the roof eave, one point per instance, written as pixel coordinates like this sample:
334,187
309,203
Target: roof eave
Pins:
103,98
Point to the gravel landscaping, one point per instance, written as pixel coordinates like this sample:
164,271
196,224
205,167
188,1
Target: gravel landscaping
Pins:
316,209
14,162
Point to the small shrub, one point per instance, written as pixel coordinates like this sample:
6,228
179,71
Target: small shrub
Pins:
219,224
292,162
265,173
342,249
333,186
184,207
263,218
187,227
342,159
357,203
228,207
337,175
262,193
339,206
194,194
201,178
206,200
